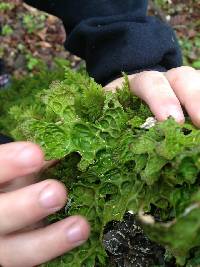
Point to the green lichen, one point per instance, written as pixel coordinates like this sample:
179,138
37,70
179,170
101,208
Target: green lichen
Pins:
110,164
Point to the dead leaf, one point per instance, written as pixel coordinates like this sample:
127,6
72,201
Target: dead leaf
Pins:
42,34
45,44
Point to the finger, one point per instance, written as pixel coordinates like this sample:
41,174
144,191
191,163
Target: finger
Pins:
117,83
155,90
185,82
42,245
34,226
26,206
49,164
112,86
18,183
26,180
19,159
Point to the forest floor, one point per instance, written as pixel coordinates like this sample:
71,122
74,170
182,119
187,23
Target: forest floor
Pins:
29,36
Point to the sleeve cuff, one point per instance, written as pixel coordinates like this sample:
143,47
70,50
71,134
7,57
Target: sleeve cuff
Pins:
124,43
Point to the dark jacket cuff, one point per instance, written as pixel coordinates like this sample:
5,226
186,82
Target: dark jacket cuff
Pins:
124,44
5,139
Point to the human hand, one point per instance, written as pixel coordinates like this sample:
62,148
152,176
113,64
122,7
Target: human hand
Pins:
23,202
166,93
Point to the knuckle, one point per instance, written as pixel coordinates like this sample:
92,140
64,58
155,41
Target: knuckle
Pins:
184,69
147,74
182,74
154,77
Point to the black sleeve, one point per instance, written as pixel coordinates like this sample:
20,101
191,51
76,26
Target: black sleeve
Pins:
5,139
115,36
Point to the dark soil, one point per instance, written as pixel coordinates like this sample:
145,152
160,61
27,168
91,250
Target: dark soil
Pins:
128,246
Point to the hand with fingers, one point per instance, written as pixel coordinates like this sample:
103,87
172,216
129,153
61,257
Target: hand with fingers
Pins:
24,202
166,93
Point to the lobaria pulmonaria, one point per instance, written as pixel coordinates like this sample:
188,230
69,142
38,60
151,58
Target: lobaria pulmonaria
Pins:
110,163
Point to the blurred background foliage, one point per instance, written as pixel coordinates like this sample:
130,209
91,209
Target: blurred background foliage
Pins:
29,37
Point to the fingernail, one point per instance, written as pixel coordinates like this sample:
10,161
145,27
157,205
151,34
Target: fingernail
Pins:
49,198
75,234
176,113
